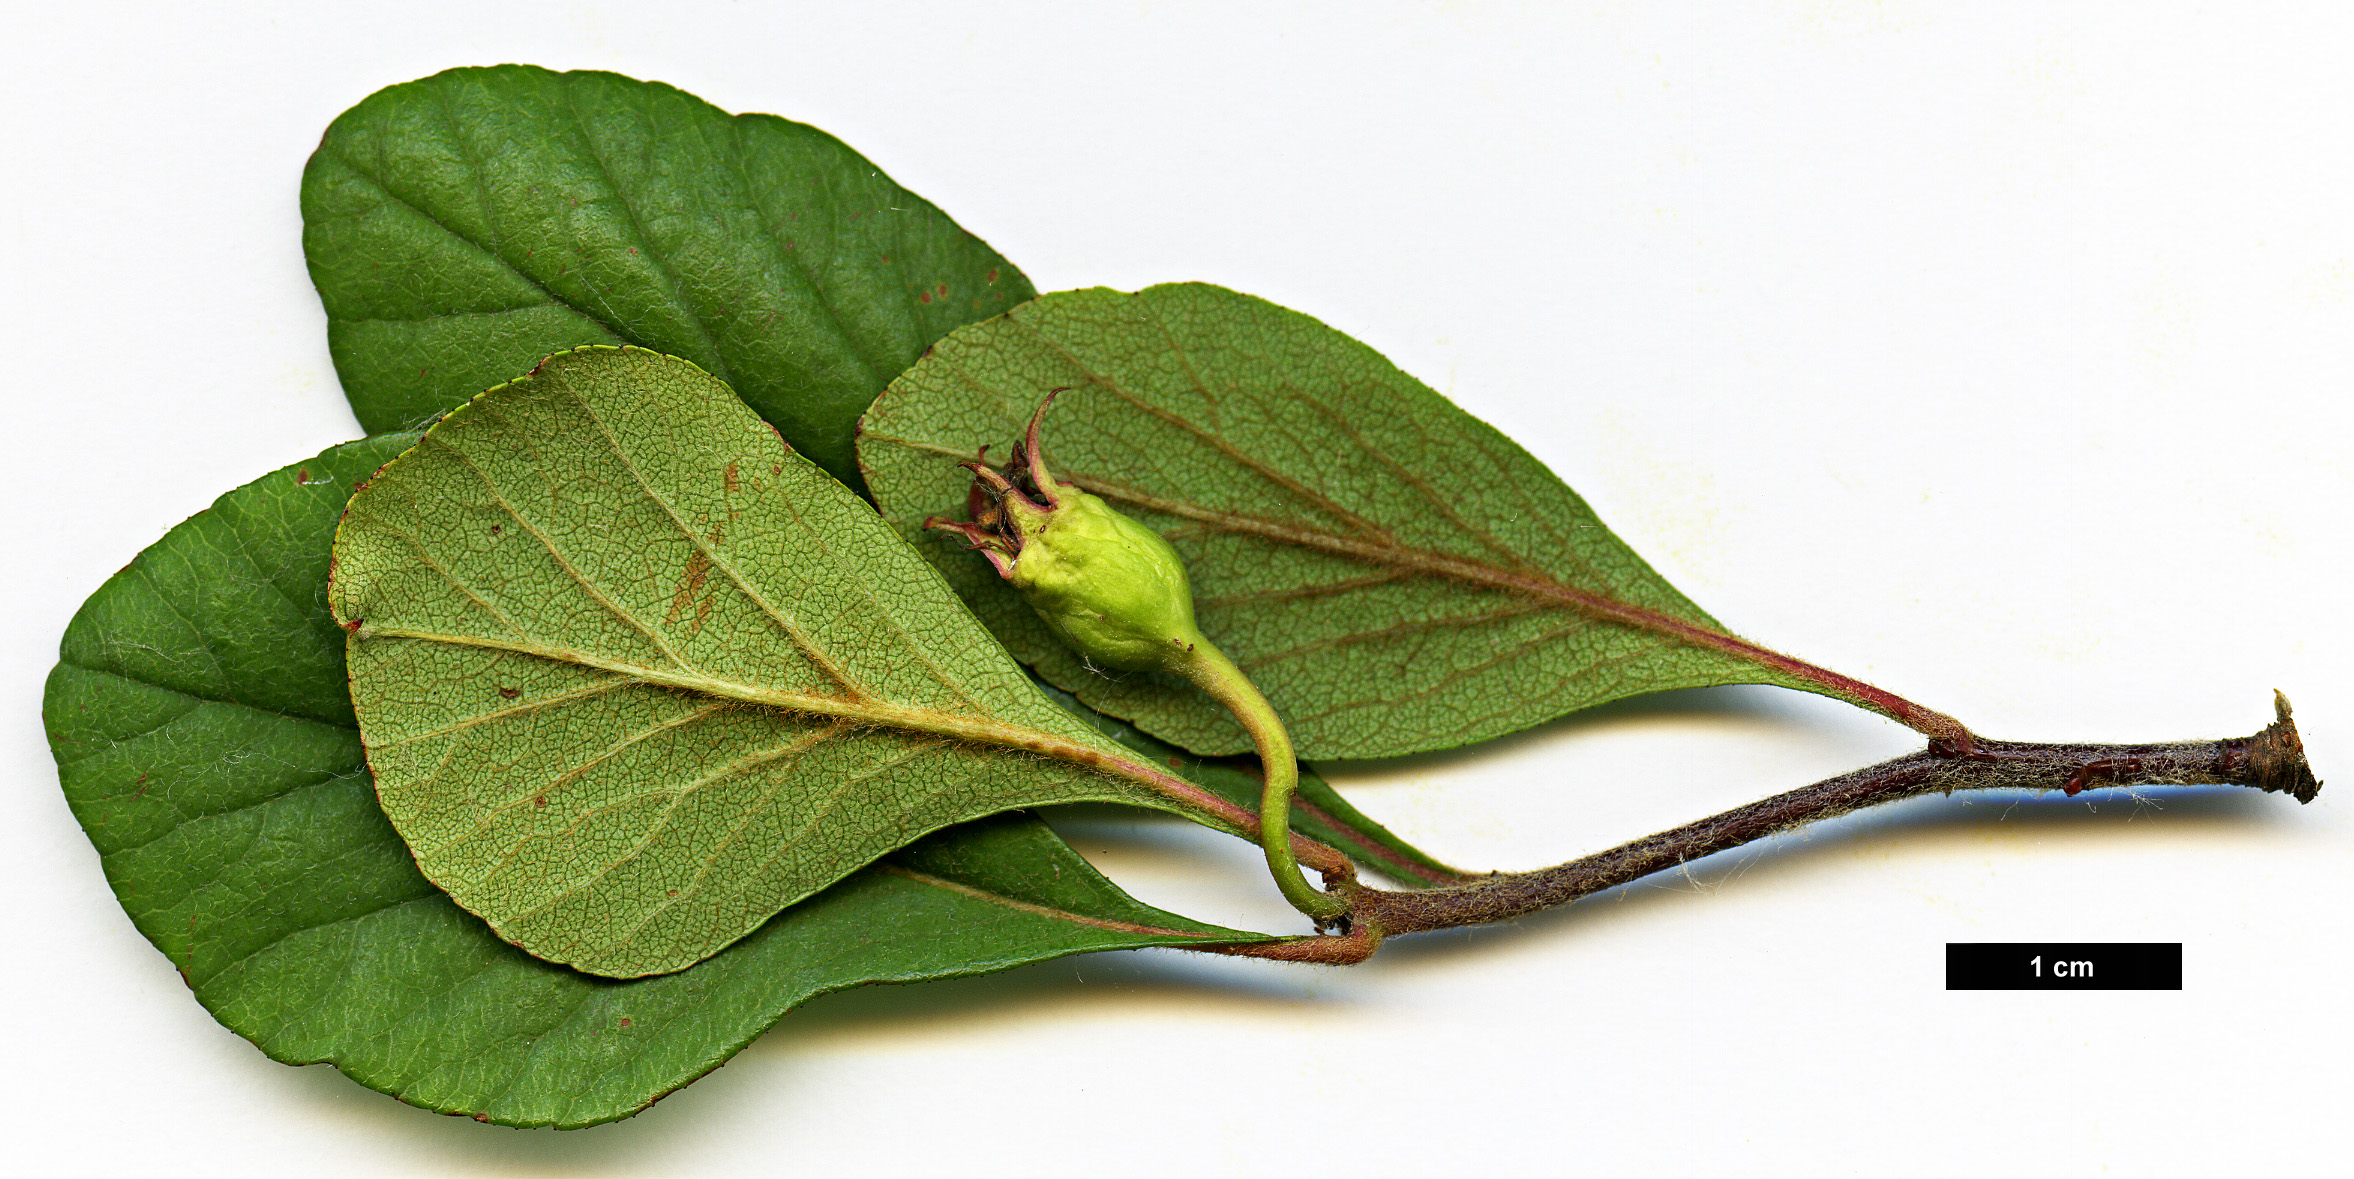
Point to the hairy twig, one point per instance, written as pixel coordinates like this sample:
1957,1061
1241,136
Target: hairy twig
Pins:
2272,760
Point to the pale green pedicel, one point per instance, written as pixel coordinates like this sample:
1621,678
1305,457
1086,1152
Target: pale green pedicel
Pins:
633,676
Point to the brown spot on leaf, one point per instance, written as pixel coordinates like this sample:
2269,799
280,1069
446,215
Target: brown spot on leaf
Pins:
542,800
924,297
496,529
302,475
690,588
625,1021
1177,763
992,276
509,693
731,479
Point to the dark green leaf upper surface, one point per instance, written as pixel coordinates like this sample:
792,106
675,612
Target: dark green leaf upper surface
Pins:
1394,574
463,226
634,676
205,741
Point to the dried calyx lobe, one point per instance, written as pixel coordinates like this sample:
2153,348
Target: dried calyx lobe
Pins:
1107,585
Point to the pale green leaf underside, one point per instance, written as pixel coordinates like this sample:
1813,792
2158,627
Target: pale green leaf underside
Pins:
462,226
205,741
634,676
1376,559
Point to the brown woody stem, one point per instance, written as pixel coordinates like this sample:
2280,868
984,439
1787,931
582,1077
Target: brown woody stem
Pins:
2272,760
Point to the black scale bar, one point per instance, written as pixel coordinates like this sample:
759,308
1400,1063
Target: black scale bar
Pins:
2063,966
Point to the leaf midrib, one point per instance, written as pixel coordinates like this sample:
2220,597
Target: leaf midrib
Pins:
1533,585
554,299
340,726
1409,559
656,257
878,713
971,729
739,159
1404,558
962,889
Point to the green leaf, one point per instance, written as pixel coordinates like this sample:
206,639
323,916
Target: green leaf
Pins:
463,226
1394,574
206,742
634,676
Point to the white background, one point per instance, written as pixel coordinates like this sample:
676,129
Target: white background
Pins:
1996,354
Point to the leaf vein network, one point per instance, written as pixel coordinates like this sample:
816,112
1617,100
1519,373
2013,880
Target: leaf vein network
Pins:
789,750
1217,442
555,299
782,621
563,562
656,257
739,129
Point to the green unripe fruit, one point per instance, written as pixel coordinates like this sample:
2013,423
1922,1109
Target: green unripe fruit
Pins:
1109,586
